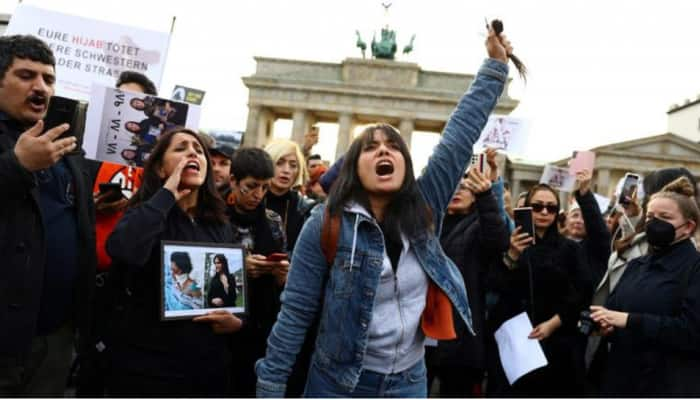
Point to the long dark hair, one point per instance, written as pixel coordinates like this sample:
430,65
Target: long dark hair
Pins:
407,211
210,206
224,264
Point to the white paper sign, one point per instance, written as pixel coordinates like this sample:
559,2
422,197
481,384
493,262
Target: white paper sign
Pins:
88,51
505,133
603,202
519,354
123,127
558,178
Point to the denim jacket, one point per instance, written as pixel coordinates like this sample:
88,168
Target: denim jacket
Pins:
344,293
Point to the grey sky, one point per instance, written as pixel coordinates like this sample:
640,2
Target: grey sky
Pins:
601,71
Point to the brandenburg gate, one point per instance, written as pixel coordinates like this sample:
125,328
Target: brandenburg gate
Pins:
355,92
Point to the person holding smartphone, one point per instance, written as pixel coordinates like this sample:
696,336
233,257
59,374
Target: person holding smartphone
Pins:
538,275
261,232
47,237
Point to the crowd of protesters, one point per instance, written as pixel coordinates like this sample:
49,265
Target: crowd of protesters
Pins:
388,282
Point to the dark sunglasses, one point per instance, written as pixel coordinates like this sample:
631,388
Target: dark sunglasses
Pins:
538,207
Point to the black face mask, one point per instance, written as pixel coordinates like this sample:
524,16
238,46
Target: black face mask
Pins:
660,233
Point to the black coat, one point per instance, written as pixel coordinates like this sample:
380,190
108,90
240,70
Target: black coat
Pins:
216,290
476,241
142,343
23,248
594,248
658,353
555,269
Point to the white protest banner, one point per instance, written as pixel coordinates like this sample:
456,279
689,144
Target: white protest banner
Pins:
504,133
123,127
558,178
88,51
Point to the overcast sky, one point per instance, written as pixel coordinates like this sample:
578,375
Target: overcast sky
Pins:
600,71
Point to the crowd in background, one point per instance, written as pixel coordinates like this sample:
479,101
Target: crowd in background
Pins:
363,280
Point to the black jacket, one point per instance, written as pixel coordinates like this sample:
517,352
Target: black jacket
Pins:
594,248
658,353
23,248
216,290
555,267
142,343
476,241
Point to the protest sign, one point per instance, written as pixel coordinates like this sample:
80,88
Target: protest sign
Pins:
231,138
188,95
603,202
88,51
582,160
123,127
558,178
504,133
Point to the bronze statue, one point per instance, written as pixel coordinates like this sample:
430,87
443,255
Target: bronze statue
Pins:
386,47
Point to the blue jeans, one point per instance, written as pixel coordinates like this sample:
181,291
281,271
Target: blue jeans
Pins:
409,383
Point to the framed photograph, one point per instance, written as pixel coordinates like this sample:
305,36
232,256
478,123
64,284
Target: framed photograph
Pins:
197,278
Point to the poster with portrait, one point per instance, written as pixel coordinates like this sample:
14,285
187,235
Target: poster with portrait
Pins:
197,278
558,178
504,133
123,127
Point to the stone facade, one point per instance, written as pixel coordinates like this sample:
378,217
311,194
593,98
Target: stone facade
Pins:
354,92
614,160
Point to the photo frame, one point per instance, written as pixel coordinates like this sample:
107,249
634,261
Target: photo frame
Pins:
197,278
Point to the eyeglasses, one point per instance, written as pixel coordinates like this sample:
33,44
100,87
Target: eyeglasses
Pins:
539,207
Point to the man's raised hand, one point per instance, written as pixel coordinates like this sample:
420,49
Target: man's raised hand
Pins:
35,151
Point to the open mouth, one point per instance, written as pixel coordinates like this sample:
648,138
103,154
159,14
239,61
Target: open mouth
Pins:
38,102
384,168
192,166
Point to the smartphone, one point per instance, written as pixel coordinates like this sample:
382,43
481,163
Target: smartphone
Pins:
277,257
523,217
479,162
114,191
61,110
630,184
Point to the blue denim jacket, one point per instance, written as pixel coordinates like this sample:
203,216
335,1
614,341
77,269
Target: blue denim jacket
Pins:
348,287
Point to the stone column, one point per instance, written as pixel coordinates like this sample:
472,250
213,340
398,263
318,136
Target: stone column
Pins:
299,126
265,121
251,131
515,189
406,129
603,182
344,134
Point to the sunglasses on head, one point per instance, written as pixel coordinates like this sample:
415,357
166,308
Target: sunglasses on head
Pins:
538,207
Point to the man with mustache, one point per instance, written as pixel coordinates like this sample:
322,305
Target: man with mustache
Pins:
47,240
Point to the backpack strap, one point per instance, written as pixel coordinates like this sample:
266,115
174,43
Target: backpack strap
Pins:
330,233
437,319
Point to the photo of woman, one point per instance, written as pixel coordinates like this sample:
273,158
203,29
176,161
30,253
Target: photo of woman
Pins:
222,286
182,291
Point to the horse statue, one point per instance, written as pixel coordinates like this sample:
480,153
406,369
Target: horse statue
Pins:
360,43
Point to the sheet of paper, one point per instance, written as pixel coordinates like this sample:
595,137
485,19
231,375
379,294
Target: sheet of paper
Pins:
519,355
603,202
558,178
582,160
504,133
